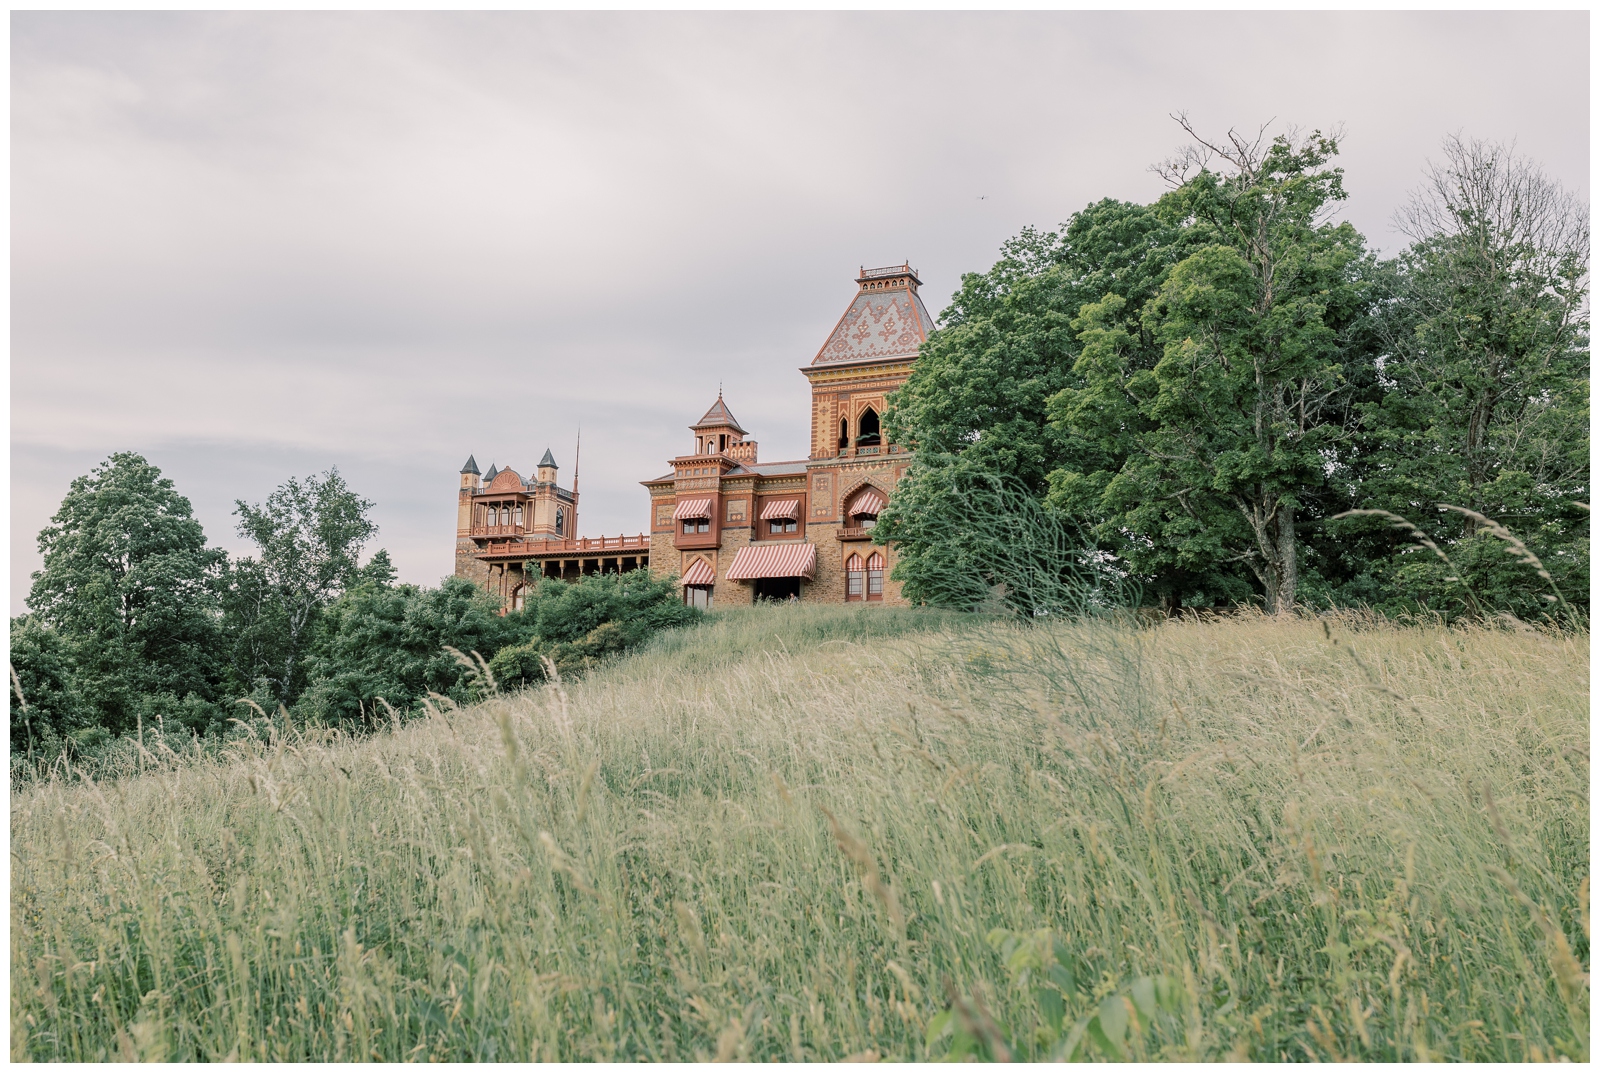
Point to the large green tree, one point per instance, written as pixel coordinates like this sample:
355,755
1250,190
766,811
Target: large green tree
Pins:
977,406
309,536
129,587
1228,441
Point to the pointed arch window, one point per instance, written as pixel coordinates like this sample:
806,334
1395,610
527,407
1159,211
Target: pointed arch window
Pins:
844,433
875,576
867,428
519,597
855,578
561,522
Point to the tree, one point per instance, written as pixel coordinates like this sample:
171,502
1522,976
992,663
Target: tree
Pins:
130,587
389,641
45,704
1231,435
309,535
1495,300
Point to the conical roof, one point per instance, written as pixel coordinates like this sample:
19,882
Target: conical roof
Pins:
718,417
548,460
885,322
471,466
487,477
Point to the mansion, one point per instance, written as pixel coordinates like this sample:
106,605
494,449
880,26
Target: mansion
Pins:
731,528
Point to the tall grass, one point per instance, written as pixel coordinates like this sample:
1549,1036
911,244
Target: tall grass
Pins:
803,833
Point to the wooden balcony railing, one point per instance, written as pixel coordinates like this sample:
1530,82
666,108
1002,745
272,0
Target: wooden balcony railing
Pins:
579,546
514,531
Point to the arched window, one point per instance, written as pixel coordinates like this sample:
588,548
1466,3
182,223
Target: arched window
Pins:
844,433
868,427
561,522
855,578
517,595
875,576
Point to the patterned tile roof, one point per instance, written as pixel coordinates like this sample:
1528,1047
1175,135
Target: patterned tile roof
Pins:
886,321
718,417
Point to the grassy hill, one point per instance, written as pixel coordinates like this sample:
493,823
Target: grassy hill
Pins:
819,833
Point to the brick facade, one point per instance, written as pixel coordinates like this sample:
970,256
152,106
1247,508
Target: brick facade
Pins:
511,532
869,354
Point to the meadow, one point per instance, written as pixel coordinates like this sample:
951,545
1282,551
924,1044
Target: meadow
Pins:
810,833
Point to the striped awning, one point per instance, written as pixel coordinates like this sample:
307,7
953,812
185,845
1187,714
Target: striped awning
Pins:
869,502
774,560
692,508
781,508
699,573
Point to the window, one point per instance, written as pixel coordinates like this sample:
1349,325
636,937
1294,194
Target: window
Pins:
844,434
855,578
561,521
697,596
875,577
866,521
868,427
722,442
783,525
517,598
697,525
518,520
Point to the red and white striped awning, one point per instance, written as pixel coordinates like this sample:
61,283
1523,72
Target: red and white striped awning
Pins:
781,508
774,560
692,508
699,573
868,502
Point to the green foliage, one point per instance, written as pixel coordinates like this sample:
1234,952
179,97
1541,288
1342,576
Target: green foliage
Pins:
1022,559
1237,420
45,706
389,642
1131,1022
309,535
130,590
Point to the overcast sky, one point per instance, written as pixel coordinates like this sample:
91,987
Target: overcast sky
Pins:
258,245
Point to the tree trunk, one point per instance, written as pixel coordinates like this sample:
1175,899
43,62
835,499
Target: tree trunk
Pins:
1279,572
1288,568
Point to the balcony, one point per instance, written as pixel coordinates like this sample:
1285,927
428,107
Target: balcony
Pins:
498,532
853,532
571,547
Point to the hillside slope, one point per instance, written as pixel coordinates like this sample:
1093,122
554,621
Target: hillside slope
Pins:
803,832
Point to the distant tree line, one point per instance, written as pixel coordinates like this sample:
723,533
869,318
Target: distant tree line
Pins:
136,626
1208,386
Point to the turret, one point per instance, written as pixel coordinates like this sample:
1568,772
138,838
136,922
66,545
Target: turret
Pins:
469,488
546,473
719,433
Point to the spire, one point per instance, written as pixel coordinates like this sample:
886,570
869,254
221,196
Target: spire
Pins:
548,460
487,477
719,417
471,466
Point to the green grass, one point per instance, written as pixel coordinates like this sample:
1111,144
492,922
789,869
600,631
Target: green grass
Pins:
801,833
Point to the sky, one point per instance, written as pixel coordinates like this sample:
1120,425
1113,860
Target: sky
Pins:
251,246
